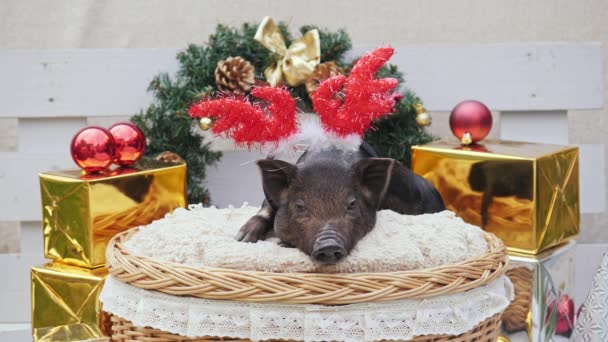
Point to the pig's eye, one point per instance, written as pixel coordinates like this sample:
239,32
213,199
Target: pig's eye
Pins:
351,204
300,207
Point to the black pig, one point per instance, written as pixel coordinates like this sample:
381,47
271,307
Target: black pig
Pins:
328,201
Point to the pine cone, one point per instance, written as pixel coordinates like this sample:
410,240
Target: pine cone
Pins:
322,72
235,75
170,157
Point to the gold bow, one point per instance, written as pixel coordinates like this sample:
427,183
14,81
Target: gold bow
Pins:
296,62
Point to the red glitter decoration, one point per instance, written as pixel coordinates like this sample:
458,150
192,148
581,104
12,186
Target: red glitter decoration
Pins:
250,123
129,141
92,149
350,105
345,106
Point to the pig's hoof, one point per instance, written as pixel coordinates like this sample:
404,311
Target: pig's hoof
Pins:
286,244
254,230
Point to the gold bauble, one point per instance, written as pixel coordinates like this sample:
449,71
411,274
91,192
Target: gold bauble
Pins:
466,139
423,119
205,123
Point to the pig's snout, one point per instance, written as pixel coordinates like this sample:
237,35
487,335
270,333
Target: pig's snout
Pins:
328,249
329,253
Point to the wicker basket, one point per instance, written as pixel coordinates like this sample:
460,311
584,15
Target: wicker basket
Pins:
303,288
514,317
124,331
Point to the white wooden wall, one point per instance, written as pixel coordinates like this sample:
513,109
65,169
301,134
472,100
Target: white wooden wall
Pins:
47,95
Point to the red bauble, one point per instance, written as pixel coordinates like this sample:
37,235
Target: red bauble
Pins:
564,322
565,316
129,141
470,121
92,149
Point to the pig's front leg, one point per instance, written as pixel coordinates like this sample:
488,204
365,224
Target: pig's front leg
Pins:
258,226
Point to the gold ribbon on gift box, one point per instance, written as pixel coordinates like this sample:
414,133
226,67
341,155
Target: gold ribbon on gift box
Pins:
295,63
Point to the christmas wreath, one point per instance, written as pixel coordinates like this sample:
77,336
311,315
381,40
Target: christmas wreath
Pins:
234,61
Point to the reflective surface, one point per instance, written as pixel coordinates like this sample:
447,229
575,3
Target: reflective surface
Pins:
129,143
65,302
69,332
82,212
472,117
544,285
526,194
92,149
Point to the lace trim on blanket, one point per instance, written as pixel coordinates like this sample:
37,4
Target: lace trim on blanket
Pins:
395,320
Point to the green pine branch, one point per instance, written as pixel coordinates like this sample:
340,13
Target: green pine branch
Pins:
394,135
168,127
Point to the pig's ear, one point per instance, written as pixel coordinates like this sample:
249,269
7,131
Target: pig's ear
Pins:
276,175
374,175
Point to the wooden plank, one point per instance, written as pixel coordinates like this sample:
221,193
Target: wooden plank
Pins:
32,240
233,181
8,134
15,305
15,286
506,76
550,127
12,328
106,121
236,180
9,237
20,200
48,135
592,168
588,258
518,76
79,82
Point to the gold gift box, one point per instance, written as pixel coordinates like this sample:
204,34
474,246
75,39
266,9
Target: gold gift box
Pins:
70,332
65,303
543,306
81,212
527,194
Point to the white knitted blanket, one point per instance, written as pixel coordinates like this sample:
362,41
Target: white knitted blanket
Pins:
205,236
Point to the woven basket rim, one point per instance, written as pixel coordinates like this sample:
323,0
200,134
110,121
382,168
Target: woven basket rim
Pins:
299,287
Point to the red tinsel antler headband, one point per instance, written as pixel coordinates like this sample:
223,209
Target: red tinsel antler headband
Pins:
249,123
346,106
365,98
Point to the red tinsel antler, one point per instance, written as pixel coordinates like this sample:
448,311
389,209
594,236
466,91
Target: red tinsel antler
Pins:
365,99
249,123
